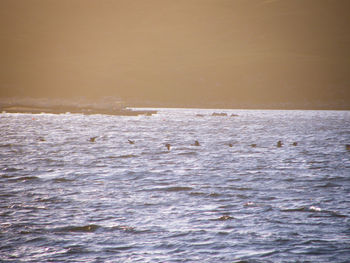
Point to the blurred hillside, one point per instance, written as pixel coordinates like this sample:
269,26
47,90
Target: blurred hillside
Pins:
178,53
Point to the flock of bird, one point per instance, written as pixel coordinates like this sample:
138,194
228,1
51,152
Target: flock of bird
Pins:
196,143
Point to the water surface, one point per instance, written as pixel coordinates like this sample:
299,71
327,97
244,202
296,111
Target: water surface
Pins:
66,199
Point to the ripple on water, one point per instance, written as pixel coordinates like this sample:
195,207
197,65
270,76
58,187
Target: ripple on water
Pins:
76,201
125,156
170,189
84,228
10,169
119,249
27,178
62,180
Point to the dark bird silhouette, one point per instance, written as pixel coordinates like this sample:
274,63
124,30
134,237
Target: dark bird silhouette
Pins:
295,144
219,114
131,142
230,144
167,145
92,139
253,145
279,144
347,147
223,218
42,139
196,143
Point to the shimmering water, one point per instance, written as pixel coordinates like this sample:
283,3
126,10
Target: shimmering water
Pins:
66,199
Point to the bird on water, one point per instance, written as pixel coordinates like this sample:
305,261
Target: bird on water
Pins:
196,143
92,139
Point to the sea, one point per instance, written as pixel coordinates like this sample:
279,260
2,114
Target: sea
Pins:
100,188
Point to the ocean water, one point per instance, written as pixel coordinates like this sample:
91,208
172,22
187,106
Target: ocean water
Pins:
64,198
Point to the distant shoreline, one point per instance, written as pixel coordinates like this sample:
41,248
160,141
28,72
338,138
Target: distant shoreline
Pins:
72,109
117,106
237,106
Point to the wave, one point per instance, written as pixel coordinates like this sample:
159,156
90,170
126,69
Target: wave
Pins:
176,188
125,156
118,249
24,179
10,169
317,211
85,228
77,249
187,153
62,180
169,189
6,145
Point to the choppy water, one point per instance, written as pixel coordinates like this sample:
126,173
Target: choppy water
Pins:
66,199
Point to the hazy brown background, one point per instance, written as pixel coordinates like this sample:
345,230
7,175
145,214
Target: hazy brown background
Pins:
178,52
